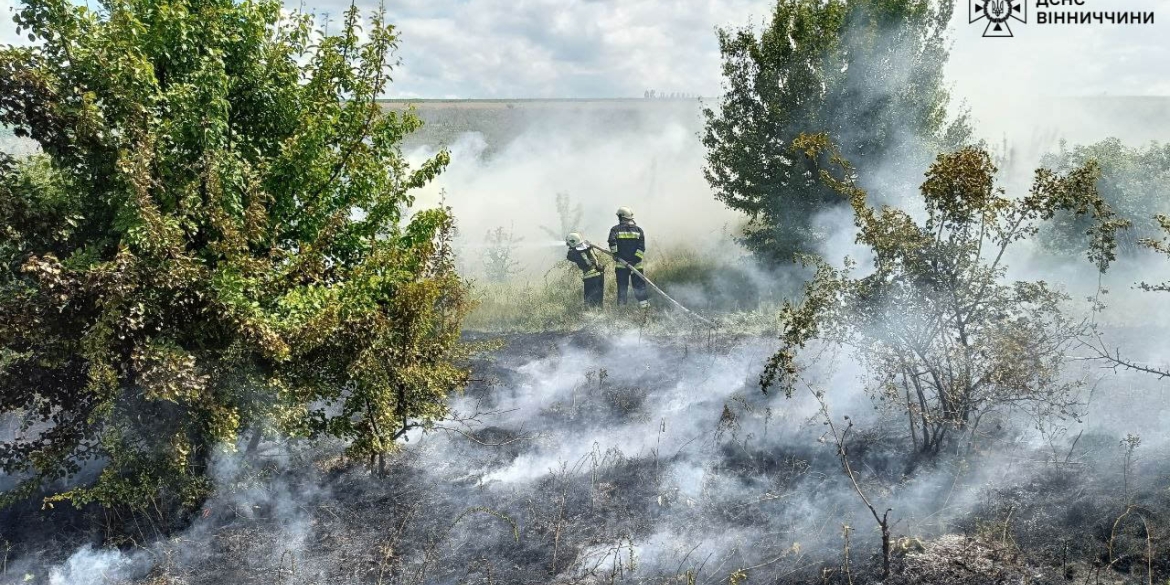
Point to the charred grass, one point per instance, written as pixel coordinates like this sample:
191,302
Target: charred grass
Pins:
752,496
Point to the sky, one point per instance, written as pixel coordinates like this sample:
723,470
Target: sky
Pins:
620,48
617,48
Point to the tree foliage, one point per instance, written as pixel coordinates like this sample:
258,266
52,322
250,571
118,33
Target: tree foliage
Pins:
944,335
212,238
869,73
1134,181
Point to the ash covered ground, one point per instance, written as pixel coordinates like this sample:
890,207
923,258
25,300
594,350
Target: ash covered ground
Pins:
586,458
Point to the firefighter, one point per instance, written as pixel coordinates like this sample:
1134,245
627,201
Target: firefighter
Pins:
627,243
581,253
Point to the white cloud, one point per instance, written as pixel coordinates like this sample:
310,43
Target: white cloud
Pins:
619,48
554,48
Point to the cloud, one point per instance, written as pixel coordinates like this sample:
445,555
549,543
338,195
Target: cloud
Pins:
620,48
616,48
551,48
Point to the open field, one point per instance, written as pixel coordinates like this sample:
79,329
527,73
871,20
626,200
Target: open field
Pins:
501,121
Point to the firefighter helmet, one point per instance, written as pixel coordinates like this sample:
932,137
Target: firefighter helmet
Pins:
574,240
625,213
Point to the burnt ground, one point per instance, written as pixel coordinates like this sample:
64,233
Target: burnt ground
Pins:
587,459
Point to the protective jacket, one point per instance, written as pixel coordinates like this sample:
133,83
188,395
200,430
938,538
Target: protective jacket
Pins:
627,242
591,275
586,260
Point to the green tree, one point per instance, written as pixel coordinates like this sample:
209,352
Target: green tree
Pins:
214,237
946,337
1133,180
869,73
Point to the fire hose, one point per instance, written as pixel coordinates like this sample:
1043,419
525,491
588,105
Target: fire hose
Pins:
652,285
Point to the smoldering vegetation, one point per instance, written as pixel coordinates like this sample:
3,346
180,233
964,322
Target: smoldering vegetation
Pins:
644,452
600,459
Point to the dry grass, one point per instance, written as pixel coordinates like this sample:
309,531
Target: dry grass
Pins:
726,291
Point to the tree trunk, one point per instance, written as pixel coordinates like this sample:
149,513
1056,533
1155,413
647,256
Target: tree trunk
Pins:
253,444
885,523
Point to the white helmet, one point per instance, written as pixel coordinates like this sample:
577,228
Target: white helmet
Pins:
625,213
574,240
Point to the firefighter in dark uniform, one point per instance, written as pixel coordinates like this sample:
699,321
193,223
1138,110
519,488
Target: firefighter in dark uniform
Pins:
627,243
582,254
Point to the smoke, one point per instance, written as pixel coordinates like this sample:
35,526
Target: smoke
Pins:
583,456
97,567
644,155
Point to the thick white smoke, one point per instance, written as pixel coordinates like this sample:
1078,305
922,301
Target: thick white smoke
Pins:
646,156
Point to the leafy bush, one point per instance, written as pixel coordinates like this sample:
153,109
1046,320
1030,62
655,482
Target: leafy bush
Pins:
1161,245
1112,357
945,337
213,240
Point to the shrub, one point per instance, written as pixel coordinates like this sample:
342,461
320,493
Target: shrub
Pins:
212,240
944,336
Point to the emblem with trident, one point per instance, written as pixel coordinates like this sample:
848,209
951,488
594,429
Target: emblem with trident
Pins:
998,13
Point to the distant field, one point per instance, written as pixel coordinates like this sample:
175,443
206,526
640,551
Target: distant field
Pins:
500,121
1134,119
